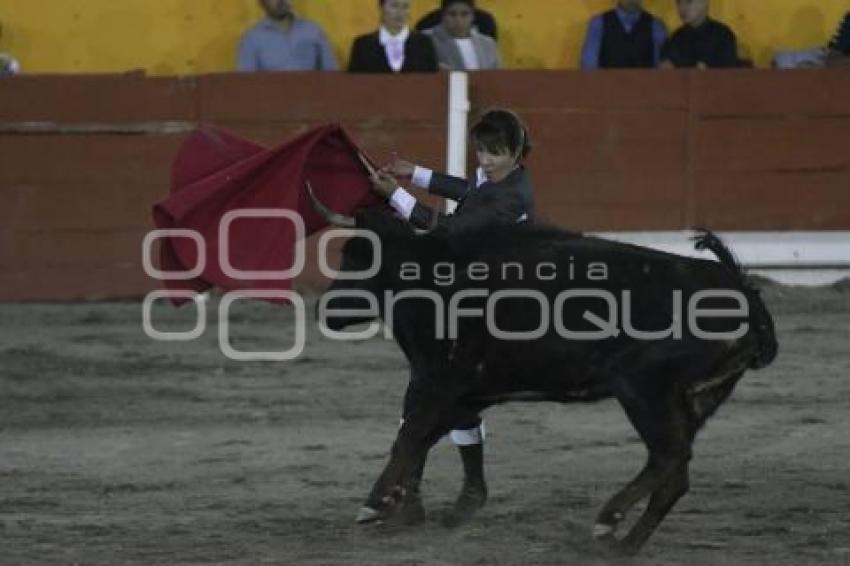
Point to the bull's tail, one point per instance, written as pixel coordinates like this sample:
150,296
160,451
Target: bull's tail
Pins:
760,319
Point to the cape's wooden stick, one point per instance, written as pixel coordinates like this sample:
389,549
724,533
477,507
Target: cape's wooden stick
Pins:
372,171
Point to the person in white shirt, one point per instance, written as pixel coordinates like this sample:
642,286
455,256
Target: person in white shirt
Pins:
459,46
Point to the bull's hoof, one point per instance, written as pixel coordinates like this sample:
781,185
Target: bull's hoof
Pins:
472,498
370,515
380,509
603,532
391,518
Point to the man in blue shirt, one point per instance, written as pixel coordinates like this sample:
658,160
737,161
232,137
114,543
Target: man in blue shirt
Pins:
283,42
625,37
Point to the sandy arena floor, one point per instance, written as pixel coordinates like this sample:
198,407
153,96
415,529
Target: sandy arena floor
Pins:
115,449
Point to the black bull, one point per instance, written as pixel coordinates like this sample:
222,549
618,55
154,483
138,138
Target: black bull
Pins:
667,385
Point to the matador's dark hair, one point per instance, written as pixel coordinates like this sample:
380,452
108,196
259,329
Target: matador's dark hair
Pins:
499,130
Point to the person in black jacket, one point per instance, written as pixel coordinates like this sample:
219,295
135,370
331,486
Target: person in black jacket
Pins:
394,48
627,36
501,194
701,42
838,50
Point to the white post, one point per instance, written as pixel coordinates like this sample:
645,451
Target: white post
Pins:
458,115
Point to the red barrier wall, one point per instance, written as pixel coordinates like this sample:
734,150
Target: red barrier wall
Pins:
743,150
730,150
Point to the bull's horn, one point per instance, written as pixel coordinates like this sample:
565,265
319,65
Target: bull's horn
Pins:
332,217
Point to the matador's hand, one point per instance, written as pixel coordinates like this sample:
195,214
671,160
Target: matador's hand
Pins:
399,167
384,184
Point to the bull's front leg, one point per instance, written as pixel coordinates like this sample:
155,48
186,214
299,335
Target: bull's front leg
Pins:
423,427
388,490
442,378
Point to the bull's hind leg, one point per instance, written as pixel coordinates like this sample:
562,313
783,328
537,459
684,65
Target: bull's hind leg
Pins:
616,508
663,422
673,488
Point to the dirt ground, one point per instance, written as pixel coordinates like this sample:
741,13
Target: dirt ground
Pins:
116,449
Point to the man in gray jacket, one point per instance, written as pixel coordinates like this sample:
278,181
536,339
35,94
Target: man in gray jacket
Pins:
459,46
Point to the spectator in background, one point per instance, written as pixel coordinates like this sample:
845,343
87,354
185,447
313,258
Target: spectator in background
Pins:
284,42
800,58
838,50
701,42
625,37
484,22
459,46
393,48
8,64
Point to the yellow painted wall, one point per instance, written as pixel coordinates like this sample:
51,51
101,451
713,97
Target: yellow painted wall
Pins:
196,36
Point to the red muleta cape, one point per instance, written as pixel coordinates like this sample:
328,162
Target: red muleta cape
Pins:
216,172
